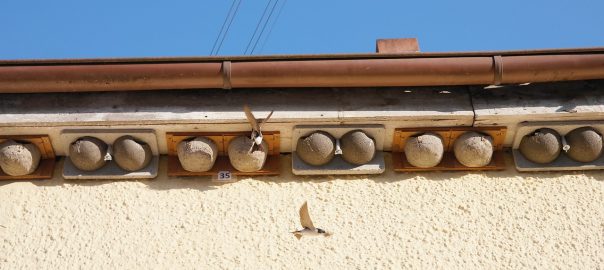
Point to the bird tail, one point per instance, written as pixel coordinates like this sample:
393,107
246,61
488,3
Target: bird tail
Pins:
297,235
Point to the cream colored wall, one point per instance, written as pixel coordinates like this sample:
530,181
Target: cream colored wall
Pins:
454,220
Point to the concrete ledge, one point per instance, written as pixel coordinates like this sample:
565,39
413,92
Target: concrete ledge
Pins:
338,166
563,162
337,131
511,105
109,136
109,172
225,106
218,110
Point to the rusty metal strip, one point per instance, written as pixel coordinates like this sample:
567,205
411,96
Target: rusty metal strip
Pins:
369,72
498,69
226,75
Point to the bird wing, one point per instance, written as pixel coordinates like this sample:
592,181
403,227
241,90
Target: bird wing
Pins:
305,220
251,118
265,120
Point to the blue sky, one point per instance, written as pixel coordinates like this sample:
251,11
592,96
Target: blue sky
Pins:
111,28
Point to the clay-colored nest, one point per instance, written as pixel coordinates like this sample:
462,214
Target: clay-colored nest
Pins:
197,155
130,154
357,147
542,146
18,159
424,151
88,153
317,148
585,144
245,156
473,149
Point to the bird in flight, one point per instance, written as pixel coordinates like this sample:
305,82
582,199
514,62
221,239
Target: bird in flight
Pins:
309,228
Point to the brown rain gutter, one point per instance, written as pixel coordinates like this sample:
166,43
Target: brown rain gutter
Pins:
418,69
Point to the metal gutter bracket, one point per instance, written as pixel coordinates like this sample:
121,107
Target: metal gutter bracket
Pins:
226,75
497,69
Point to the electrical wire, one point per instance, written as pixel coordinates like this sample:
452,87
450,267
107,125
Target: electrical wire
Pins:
222,27
264,26
271,26
228,27
257,26
235,4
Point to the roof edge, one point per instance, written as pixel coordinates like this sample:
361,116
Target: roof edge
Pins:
287,57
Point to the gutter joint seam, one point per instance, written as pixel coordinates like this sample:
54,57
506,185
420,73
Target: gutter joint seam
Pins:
226,75
498,69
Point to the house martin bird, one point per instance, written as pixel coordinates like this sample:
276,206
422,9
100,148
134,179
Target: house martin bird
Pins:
256,135
309,228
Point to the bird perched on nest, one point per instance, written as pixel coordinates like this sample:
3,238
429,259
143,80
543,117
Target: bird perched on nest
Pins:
256,135
249,154
309,228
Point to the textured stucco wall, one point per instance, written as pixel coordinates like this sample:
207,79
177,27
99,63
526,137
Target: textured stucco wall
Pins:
429,220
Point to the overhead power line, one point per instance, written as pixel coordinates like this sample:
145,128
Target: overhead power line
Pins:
257,26
264,26
222,27
271,26
228,20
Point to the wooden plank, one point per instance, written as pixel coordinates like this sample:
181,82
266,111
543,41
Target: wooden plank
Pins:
47,161
449,135
47,147
40,141
222,140
271,167
44,171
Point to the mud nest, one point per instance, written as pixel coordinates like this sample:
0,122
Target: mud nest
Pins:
246,156
88,153
317,148
18,159
130,154
424,151
473,149
585,144
542,146
357,147
198,154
